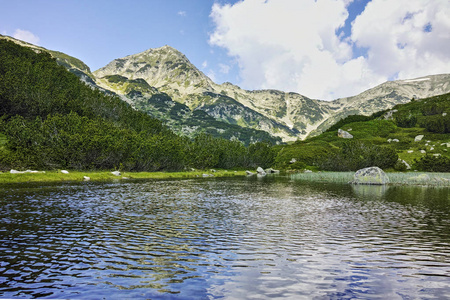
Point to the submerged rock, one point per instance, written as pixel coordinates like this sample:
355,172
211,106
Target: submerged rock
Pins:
371,175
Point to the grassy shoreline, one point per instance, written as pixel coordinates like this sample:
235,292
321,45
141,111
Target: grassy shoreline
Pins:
78,176
395,178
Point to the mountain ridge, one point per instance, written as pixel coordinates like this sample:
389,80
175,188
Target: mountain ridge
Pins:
292,115
288,116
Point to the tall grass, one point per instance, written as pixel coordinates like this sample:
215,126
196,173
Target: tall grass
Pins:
398,178
54,176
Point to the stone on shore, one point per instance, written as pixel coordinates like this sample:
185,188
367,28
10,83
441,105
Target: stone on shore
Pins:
272,171
64,171
116,173
249,173
371,175
261,171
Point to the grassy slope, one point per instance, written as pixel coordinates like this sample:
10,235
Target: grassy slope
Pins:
378,131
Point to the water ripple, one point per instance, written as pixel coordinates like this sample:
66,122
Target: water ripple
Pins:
234,239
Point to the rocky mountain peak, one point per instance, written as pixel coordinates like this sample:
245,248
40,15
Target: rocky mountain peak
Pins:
164,68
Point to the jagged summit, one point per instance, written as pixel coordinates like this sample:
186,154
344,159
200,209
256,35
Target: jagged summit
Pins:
165,68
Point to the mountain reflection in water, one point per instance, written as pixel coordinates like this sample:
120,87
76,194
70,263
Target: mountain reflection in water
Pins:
236,238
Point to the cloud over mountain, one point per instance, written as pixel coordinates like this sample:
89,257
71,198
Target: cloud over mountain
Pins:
26,36
300,45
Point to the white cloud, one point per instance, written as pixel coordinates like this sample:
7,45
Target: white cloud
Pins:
211,75
225,69
410,38
26,36
182,13
205,64
292,45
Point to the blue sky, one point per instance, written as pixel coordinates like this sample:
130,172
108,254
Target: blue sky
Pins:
323,49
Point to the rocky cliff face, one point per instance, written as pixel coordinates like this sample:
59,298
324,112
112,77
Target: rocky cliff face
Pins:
290,116
165,73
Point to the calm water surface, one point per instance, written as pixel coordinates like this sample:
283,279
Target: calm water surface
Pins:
238,238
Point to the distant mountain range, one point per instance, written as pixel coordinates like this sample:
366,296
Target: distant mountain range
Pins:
163,83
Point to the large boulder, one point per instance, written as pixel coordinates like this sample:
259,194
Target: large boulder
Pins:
371,175
344,134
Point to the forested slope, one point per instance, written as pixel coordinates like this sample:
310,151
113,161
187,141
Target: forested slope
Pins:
49,119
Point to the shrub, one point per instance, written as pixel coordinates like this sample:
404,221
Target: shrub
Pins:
437,124
433,164
355,155
405,120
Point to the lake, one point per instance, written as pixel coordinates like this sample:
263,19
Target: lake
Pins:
228,238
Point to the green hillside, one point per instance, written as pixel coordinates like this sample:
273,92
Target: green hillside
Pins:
49,119
380,140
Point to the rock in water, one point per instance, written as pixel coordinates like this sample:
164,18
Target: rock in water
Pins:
371,175
272,171
261,171
344,134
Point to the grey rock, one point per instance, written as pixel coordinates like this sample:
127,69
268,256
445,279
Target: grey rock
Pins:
272,171
292,161
344,134
307,171
423,151
64,171
371,175
86,178
261,171
15,172
395,140
408,167
249,173
116,173
418,138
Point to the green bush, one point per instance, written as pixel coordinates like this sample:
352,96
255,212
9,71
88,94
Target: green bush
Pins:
405,120
355,155
433,164
437,124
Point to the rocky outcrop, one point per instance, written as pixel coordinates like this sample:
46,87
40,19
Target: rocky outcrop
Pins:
371,175
344,134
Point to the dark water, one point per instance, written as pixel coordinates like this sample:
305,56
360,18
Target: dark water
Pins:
224,238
